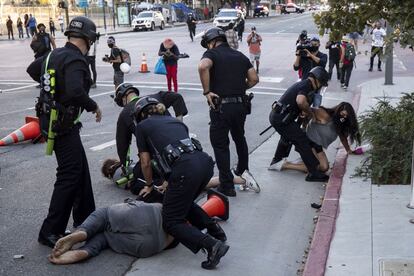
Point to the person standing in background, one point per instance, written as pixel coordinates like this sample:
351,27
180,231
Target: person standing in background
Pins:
169,51
20,27
92,61
334,47
254,41
52,27
9,25
32,25
240,27
378,35
61,22
26,24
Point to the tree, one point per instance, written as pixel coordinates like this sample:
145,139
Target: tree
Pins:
348,16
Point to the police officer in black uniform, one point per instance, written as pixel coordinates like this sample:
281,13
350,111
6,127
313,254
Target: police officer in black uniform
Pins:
225,75
126,96
296,102
72,189
188,170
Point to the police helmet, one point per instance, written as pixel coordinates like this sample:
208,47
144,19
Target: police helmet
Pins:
212,33
320,74
82,27
141,105
123,90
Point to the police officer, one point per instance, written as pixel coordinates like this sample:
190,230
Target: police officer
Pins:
187,169
126,96
225,75
72,189
294,102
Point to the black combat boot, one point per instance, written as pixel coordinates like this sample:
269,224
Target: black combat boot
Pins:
216,250
217,232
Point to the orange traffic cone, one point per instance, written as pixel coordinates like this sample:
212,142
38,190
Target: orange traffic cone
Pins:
30,131
144,66
217,205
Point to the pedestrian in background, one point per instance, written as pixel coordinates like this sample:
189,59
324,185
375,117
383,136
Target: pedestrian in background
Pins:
61,22
240,27
348,54
231,36
42,42
115,59
169,51
52,27
92,60
354,37
32,25
378,35
191,23
254,41
9,25
26,24
20,27
334,48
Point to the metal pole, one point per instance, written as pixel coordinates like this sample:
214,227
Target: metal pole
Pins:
113,13
389,53
103,8
411,204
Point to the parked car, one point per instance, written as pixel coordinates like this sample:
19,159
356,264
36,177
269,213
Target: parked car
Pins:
261,11
148,20
291,8
225,17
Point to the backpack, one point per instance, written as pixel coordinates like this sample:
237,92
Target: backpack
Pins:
350,52
125,56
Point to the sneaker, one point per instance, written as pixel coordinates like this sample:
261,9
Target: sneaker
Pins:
231,192
318,176
379,69
250,183
276,166
342,85
370,69
297,161
215,253
345,87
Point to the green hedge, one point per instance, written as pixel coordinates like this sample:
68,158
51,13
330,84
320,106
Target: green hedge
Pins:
390,131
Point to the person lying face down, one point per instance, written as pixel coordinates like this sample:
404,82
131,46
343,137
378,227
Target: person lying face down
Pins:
133,228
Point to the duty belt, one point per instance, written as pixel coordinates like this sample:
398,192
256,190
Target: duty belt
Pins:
228,100
172,152
279,107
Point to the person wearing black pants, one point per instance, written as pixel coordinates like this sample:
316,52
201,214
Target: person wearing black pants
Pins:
225,75
334,57
166,139
72,190
296,100
346,67
191,23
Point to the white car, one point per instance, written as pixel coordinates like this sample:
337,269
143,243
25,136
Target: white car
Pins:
148,20
225,17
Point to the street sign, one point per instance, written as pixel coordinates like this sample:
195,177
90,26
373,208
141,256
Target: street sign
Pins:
82,3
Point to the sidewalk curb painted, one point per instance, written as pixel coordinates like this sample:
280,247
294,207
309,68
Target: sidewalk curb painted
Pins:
325,227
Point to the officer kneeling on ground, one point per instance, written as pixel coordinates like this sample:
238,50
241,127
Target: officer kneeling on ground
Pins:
225,75
188,169
72,190
296,102
126,96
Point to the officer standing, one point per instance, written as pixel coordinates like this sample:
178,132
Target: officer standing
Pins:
225,75
188,170
126,96
296,102
72,189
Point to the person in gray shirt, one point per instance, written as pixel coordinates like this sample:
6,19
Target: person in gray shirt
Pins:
324,128
133,228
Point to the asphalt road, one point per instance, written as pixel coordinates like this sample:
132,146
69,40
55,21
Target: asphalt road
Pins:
27,175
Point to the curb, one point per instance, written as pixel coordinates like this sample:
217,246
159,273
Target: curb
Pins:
325,227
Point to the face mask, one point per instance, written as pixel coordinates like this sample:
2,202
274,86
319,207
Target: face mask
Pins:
110,45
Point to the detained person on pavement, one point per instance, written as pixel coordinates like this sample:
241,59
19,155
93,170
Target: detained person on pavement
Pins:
126,96
295,103
133,228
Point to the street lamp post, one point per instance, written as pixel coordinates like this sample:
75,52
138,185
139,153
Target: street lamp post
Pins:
389,53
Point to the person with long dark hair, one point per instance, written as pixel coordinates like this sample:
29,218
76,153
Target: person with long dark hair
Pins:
327,124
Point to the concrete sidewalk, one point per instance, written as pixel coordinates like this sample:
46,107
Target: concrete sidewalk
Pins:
373,235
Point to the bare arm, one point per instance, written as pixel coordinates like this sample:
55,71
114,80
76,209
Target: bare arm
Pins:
297,62
52,40
303,104
345,143
252,78
204,71
145,160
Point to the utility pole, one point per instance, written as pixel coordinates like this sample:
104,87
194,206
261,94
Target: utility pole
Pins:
104,17
389,54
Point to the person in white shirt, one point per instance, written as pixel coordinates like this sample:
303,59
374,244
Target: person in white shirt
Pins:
61,22
378,35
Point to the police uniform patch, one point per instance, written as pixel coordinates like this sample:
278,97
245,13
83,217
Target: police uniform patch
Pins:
76,24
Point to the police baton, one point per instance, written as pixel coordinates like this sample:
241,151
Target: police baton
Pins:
264,131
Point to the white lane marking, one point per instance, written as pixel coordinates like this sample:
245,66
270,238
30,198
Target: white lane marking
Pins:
17,83
99,133
17,111
7,91
103,146
271,79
